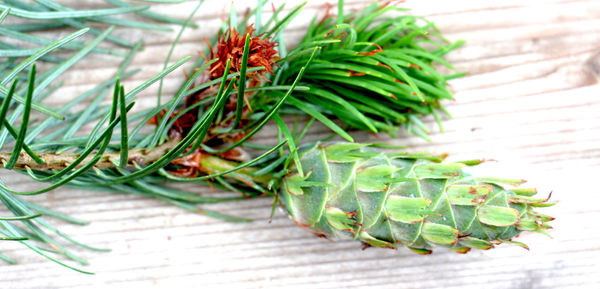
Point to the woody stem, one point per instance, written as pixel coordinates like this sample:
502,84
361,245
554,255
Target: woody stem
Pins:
58,161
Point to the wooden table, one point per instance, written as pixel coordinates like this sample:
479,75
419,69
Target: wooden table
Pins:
531,101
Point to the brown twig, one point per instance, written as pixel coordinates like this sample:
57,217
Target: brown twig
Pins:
54,161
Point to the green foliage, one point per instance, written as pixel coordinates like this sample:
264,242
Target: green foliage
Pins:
374,72
56,128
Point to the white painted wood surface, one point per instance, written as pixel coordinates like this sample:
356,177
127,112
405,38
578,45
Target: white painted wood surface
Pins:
531,101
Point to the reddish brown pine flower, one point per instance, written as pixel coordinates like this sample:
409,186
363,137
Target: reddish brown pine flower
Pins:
231,46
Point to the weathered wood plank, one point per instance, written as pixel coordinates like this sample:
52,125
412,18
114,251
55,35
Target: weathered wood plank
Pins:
530,102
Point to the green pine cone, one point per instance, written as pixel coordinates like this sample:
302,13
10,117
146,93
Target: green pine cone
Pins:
351,190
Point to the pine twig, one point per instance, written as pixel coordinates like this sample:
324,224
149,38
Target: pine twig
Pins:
58,161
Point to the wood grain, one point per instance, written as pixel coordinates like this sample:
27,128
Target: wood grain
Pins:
531,101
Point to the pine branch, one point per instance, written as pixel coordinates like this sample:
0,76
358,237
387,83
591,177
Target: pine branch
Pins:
59,161
370,72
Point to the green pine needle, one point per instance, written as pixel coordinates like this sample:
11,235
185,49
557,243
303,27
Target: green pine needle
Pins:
69,14
24,123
